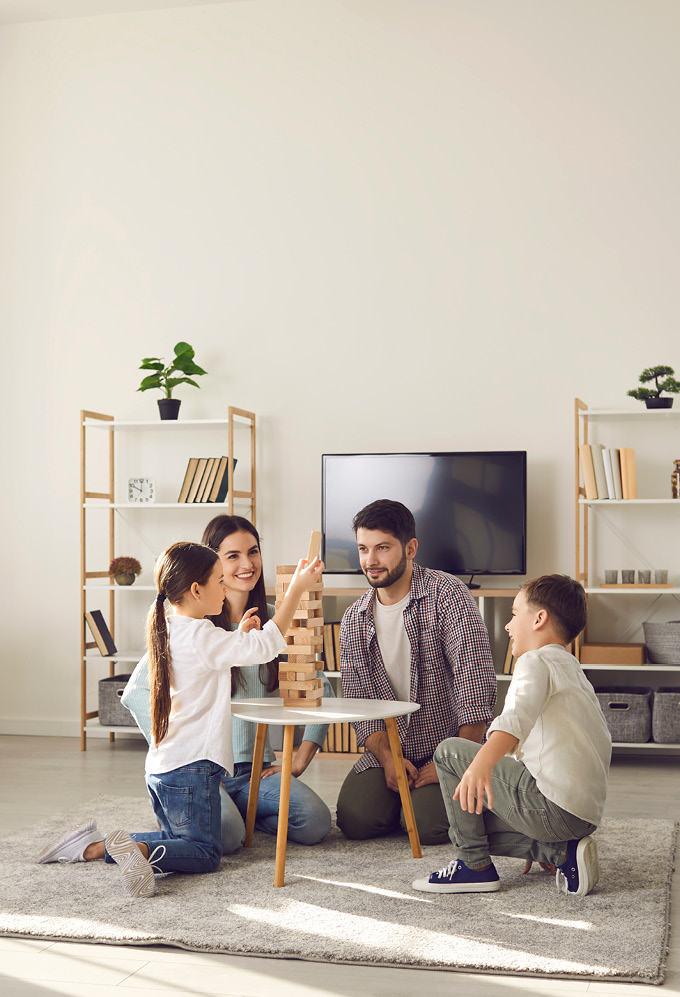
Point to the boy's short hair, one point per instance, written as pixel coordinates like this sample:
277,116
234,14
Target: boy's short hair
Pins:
563,598
388,516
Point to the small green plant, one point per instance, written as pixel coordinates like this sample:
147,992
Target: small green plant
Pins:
183,364
124,565
669,383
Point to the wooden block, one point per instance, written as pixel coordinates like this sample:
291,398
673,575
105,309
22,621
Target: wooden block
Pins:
314,545
305,637
303,651
302,686
298,672
303,659
286,569
311,703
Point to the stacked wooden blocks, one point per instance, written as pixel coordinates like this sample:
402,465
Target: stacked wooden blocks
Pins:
298,684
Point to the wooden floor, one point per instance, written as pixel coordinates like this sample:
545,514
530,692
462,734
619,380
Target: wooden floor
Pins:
40,776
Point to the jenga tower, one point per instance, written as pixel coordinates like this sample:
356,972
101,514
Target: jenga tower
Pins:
298,684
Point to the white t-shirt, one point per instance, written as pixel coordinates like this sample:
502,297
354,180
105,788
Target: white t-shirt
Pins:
201,658
395,647
564,741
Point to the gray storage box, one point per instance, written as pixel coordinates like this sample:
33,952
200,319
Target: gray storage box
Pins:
628,713
666,716
112,713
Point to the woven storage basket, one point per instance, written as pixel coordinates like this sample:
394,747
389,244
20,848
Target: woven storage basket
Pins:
628,713
666,716
112,713
663,642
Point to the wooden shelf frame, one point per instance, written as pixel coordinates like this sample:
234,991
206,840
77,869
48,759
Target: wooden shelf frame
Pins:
91,500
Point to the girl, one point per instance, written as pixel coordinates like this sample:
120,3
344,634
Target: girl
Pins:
237,543
190,661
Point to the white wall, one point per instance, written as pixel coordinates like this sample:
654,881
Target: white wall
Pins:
383,224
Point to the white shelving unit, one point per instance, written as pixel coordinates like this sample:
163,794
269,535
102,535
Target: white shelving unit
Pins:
101,514
589,512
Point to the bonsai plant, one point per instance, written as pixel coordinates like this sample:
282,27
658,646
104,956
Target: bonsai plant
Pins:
652,396
124,570
163,377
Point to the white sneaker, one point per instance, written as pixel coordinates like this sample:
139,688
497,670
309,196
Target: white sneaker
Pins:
138,877
71,846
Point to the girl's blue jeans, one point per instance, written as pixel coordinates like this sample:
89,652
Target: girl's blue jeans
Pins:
186,802
309,819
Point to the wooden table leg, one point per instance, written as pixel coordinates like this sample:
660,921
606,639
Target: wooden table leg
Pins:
256,773
284,804
404,791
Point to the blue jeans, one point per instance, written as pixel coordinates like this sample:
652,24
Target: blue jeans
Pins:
524,823
186,802
309,819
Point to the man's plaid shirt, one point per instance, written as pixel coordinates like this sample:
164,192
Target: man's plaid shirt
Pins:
452,672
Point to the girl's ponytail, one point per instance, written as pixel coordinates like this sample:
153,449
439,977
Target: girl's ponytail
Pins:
178,567
159,668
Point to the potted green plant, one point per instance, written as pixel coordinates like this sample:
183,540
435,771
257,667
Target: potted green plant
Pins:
124,570
165,380
652,396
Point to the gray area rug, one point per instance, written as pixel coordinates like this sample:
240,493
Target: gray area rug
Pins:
352,902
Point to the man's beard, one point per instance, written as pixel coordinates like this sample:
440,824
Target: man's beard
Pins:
392,576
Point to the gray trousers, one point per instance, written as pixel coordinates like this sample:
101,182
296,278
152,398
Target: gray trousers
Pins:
523,823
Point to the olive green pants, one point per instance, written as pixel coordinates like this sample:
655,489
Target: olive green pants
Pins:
368,809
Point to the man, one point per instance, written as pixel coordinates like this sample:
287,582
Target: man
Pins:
417,637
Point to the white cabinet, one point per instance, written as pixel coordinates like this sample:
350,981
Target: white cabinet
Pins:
111,453
634,534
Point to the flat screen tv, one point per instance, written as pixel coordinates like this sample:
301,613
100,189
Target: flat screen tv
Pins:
469,507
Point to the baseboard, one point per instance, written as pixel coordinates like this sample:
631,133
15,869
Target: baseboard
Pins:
55,728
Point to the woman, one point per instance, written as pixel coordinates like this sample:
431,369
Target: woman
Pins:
237,544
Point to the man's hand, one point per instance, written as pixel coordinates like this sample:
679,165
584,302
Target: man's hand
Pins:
545,866
426,776
301,760
391,774
476,782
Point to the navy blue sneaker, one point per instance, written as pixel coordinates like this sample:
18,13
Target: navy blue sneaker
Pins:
580,871
457,878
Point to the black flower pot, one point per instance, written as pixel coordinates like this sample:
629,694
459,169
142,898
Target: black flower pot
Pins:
169,407
659,402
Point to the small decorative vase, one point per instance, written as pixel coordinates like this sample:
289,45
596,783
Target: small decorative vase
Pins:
124,578
659,402
169,407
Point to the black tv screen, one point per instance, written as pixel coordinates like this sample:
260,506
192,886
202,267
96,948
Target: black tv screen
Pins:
470,508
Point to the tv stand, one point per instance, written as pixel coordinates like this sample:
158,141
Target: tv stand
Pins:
471,584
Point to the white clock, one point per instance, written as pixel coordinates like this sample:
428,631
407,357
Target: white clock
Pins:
141,490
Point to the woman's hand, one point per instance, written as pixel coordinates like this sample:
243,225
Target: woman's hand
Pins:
249,621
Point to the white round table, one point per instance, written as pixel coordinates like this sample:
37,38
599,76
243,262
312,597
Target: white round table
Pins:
272,711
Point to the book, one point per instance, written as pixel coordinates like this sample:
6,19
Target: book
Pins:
616,472
336,645
209,461
353,745
328,648
598,467
608,471
628,473
188,478
209,479
200,468
345,736
221,482
588,470
509,663
101,633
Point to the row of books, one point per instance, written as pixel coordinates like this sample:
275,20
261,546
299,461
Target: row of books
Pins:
608,473
206,480
509,662
341,738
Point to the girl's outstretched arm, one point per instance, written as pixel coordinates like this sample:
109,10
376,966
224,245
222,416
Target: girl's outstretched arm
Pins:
305,576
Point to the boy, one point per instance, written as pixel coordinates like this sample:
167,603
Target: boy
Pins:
543,803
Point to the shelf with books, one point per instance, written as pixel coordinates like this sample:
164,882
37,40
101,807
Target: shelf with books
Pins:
166,455
638,540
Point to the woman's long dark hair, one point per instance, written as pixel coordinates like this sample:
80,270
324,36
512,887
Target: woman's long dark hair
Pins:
215,532
178,567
